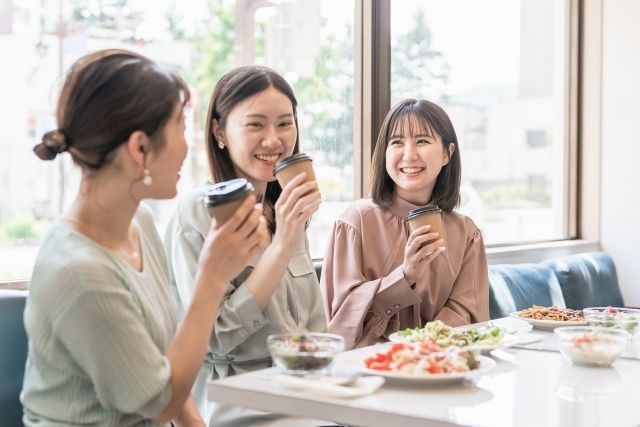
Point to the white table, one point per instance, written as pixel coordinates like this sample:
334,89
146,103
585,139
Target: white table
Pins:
540,389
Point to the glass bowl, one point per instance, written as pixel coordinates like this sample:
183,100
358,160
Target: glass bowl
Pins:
587,345
305,353
627,319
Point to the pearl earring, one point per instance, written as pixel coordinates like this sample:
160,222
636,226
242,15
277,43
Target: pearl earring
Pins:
147,180
221,145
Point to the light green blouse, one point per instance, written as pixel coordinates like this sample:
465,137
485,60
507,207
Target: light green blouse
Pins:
239,342
97,332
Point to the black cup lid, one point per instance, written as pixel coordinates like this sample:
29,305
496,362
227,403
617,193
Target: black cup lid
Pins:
298,157
422,211
226,191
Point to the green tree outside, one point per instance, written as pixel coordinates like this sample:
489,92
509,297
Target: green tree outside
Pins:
418,70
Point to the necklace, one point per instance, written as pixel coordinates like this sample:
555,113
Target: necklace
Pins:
129,253
130,250
133,255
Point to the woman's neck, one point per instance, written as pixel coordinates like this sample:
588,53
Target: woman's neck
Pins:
418,199
103,212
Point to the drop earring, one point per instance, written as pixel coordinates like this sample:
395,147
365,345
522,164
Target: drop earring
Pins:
221,145
147,179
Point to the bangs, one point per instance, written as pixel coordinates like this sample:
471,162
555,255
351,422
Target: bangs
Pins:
407,121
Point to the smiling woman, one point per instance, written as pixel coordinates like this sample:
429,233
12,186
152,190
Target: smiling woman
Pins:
258,132
251,125
416,153
379,276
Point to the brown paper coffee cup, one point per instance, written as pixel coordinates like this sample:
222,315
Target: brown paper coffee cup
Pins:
289,168
223,212
224,198
428,216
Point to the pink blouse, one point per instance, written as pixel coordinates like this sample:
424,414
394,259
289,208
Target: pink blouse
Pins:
366,295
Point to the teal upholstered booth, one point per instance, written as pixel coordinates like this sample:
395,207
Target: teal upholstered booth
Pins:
575,281
515,287
13,355
587,280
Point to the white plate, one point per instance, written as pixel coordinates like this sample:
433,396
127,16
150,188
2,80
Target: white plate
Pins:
549,324
486,364
507,341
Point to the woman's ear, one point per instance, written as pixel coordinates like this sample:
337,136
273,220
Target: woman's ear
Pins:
218,132
138,146
451,147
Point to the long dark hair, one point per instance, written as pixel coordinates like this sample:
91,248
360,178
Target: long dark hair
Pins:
108,95
430,118
233,88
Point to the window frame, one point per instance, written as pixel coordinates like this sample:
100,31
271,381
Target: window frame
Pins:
582,117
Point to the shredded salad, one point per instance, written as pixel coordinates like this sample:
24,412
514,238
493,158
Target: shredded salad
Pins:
422,358
446,336
613,317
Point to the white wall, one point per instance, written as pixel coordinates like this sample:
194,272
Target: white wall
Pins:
620,210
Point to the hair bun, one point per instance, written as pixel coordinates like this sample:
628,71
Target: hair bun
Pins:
53,143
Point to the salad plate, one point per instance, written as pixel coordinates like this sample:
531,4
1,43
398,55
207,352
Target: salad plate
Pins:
485,364
627,319
482,338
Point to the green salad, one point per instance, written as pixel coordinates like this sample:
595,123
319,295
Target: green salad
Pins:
446,336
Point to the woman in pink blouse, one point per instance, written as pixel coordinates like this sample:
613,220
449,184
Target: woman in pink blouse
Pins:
378,277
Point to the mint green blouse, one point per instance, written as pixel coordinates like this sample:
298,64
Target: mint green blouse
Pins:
97,332
239,341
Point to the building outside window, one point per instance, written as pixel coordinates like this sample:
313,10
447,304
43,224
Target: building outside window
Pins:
498,67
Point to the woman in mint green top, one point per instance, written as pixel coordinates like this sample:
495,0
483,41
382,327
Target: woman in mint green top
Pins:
104,345
88,368
251,125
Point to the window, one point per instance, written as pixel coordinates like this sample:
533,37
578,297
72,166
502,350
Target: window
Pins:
304,39
500,70
498,67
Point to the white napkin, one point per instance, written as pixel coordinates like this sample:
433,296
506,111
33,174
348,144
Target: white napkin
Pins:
362,386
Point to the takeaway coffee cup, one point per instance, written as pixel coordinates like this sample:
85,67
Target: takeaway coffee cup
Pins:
431,215
223,198
286,169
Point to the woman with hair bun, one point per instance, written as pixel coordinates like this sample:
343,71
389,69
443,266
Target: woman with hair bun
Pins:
104,344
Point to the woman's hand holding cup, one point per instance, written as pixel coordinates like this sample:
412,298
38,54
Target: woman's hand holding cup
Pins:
423,246
299,200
